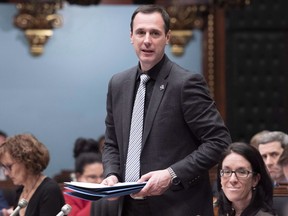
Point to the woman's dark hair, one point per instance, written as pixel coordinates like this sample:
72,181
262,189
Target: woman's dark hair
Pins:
85,145
262,195
86,158
148,9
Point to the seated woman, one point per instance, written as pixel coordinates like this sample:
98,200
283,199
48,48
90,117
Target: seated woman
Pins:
88,168
23,159
244,185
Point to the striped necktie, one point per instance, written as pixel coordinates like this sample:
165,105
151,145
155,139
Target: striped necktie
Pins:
136,129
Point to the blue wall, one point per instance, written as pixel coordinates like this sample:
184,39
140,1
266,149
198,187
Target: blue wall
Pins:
61,95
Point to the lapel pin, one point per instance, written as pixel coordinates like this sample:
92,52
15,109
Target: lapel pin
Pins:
162,87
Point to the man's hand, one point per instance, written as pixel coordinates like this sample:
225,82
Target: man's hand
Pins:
157,183
110,180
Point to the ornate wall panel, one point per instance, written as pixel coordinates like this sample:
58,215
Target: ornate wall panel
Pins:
257,68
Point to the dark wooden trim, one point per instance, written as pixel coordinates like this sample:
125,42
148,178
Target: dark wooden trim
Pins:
217,82
281,190
220,70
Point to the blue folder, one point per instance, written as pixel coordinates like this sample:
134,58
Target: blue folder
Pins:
92,192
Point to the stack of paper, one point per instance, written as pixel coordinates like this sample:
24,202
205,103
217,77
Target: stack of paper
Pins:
92,191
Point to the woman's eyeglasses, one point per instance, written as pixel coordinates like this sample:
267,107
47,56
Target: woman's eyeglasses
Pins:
240,173
7,167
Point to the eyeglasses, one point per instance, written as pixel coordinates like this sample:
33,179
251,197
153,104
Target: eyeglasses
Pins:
7,167
240,173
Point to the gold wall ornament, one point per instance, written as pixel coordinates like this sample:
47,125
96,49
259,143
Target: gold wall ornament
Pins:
183,19
37,19
232,3
178,41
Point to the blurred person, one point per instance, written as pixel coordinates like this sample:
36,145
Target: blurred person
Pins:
88,168
101,143
254,141
180,134
82,145
283,162
85,145
244,185
271,145
3,136
3,201
23,158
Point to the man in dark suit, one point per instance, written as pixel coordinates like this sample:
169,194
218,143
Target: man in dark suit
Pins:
183,134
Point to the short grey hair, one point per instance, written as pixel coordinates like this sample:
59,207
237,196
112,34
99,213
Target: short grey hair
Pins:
273,136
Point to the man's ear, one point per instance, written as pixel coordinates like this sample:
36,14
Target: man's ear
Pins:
131,40
168,35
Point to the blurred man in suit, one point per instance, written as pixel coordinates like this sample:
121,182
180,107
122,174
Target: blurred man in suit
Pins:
283,162
271,144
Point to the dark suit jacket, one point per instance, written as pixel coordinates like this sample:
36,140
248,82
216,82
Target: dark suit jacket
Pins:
183,130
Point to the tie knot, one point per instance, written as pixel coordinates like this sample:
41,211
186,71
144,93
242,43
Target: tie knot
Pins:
144,78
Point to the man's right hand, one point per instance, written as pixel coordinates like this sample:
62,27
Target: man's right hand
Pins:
110,180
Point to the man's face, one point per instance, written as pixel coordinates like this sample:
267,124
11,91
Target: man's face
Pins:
149,39
270,153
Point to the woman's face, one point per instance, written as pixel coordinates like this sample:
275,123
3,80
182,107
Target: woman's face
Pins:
238,189
92,173
16,171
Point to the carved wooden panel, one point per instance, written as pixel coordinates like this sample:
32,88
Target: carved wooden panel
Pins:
257,68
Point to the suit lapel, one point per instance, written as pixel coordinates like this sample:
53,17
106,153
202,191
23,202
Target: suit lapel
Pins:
159,89
128,92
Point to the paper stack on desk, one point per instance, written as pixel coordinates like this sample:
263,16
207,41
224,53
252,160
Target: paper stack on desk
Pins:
92,191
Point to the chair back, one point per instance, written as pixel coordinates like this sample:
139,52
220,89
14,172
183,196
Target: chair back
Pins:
280,199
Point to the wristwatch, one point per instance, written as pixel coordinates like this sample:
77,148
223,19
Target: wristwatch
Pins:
174,179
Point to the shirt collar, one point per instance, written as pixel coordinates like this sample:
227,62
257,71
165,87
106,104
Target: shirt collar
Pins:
153,72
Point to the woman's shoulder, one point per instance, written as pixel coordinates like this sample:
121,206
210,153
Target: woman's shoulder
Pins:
49,184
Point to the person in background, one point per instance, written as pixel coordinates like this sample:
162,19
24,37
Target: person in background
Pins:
271,144
3,202
3,136
283,162
101,142
244,185
254,141
88,168
84,145
23,158
182,134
